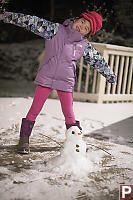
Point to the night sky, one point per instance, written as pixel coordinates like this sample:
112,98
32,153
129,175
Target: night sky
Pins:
62,9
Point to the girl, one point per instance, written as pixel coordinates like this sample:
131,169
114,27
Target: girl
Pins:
64,45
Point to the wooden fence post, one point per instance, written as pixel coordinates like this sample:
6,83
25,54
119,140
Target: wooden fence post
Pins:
80,74
102,81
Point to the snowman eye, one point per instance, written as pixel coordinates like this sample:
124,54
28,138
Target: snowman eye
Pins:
73,132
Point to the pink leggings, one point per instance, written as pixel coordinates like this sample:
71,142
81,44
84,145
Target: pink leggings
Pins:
41,94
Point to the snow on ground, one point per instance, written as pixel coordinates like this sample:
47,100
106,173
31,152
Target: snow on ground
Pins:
40,176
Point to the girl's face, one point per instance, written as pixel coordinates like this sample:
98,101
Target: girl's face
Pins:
82,25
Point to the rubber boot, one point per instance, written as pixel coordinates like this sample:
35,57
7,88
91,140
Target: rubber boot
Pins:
25,132
77,123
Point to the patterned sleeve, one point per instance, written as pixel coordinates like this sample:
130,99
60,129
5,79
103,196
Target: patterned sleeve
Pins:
96,61
41,27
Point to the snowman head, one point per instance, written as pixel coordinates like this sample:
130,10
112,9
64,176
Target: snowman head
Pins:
74,133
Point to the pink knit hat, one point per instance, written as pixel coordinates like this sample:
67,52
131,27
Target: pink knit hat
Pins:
95,20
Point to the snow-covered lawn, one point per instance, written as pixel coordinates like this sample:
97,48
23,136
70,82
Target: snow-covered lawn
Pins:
40,176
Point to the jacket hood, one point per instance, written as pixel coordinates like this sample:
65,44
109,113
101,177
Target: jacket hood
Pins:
73,34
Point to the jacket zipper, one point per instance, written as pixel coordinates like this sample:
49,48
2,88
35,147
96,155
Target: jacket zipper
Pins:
74,52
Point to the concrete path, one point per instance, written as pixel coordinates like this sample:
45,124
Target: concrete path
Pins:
120,132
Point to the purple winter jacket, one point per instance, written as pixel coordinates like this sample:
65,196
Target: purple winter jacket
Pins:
58,67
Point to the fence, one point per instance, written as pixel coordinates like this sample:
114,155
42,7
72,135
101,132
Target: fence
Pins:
93,87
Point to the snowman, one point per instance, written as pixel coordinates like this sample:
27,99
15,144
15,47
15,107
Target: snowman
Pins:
73,156
74,144
74,148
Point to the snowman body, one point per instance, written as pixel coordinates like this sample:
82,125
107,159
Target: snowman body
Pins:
74,145
73,156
